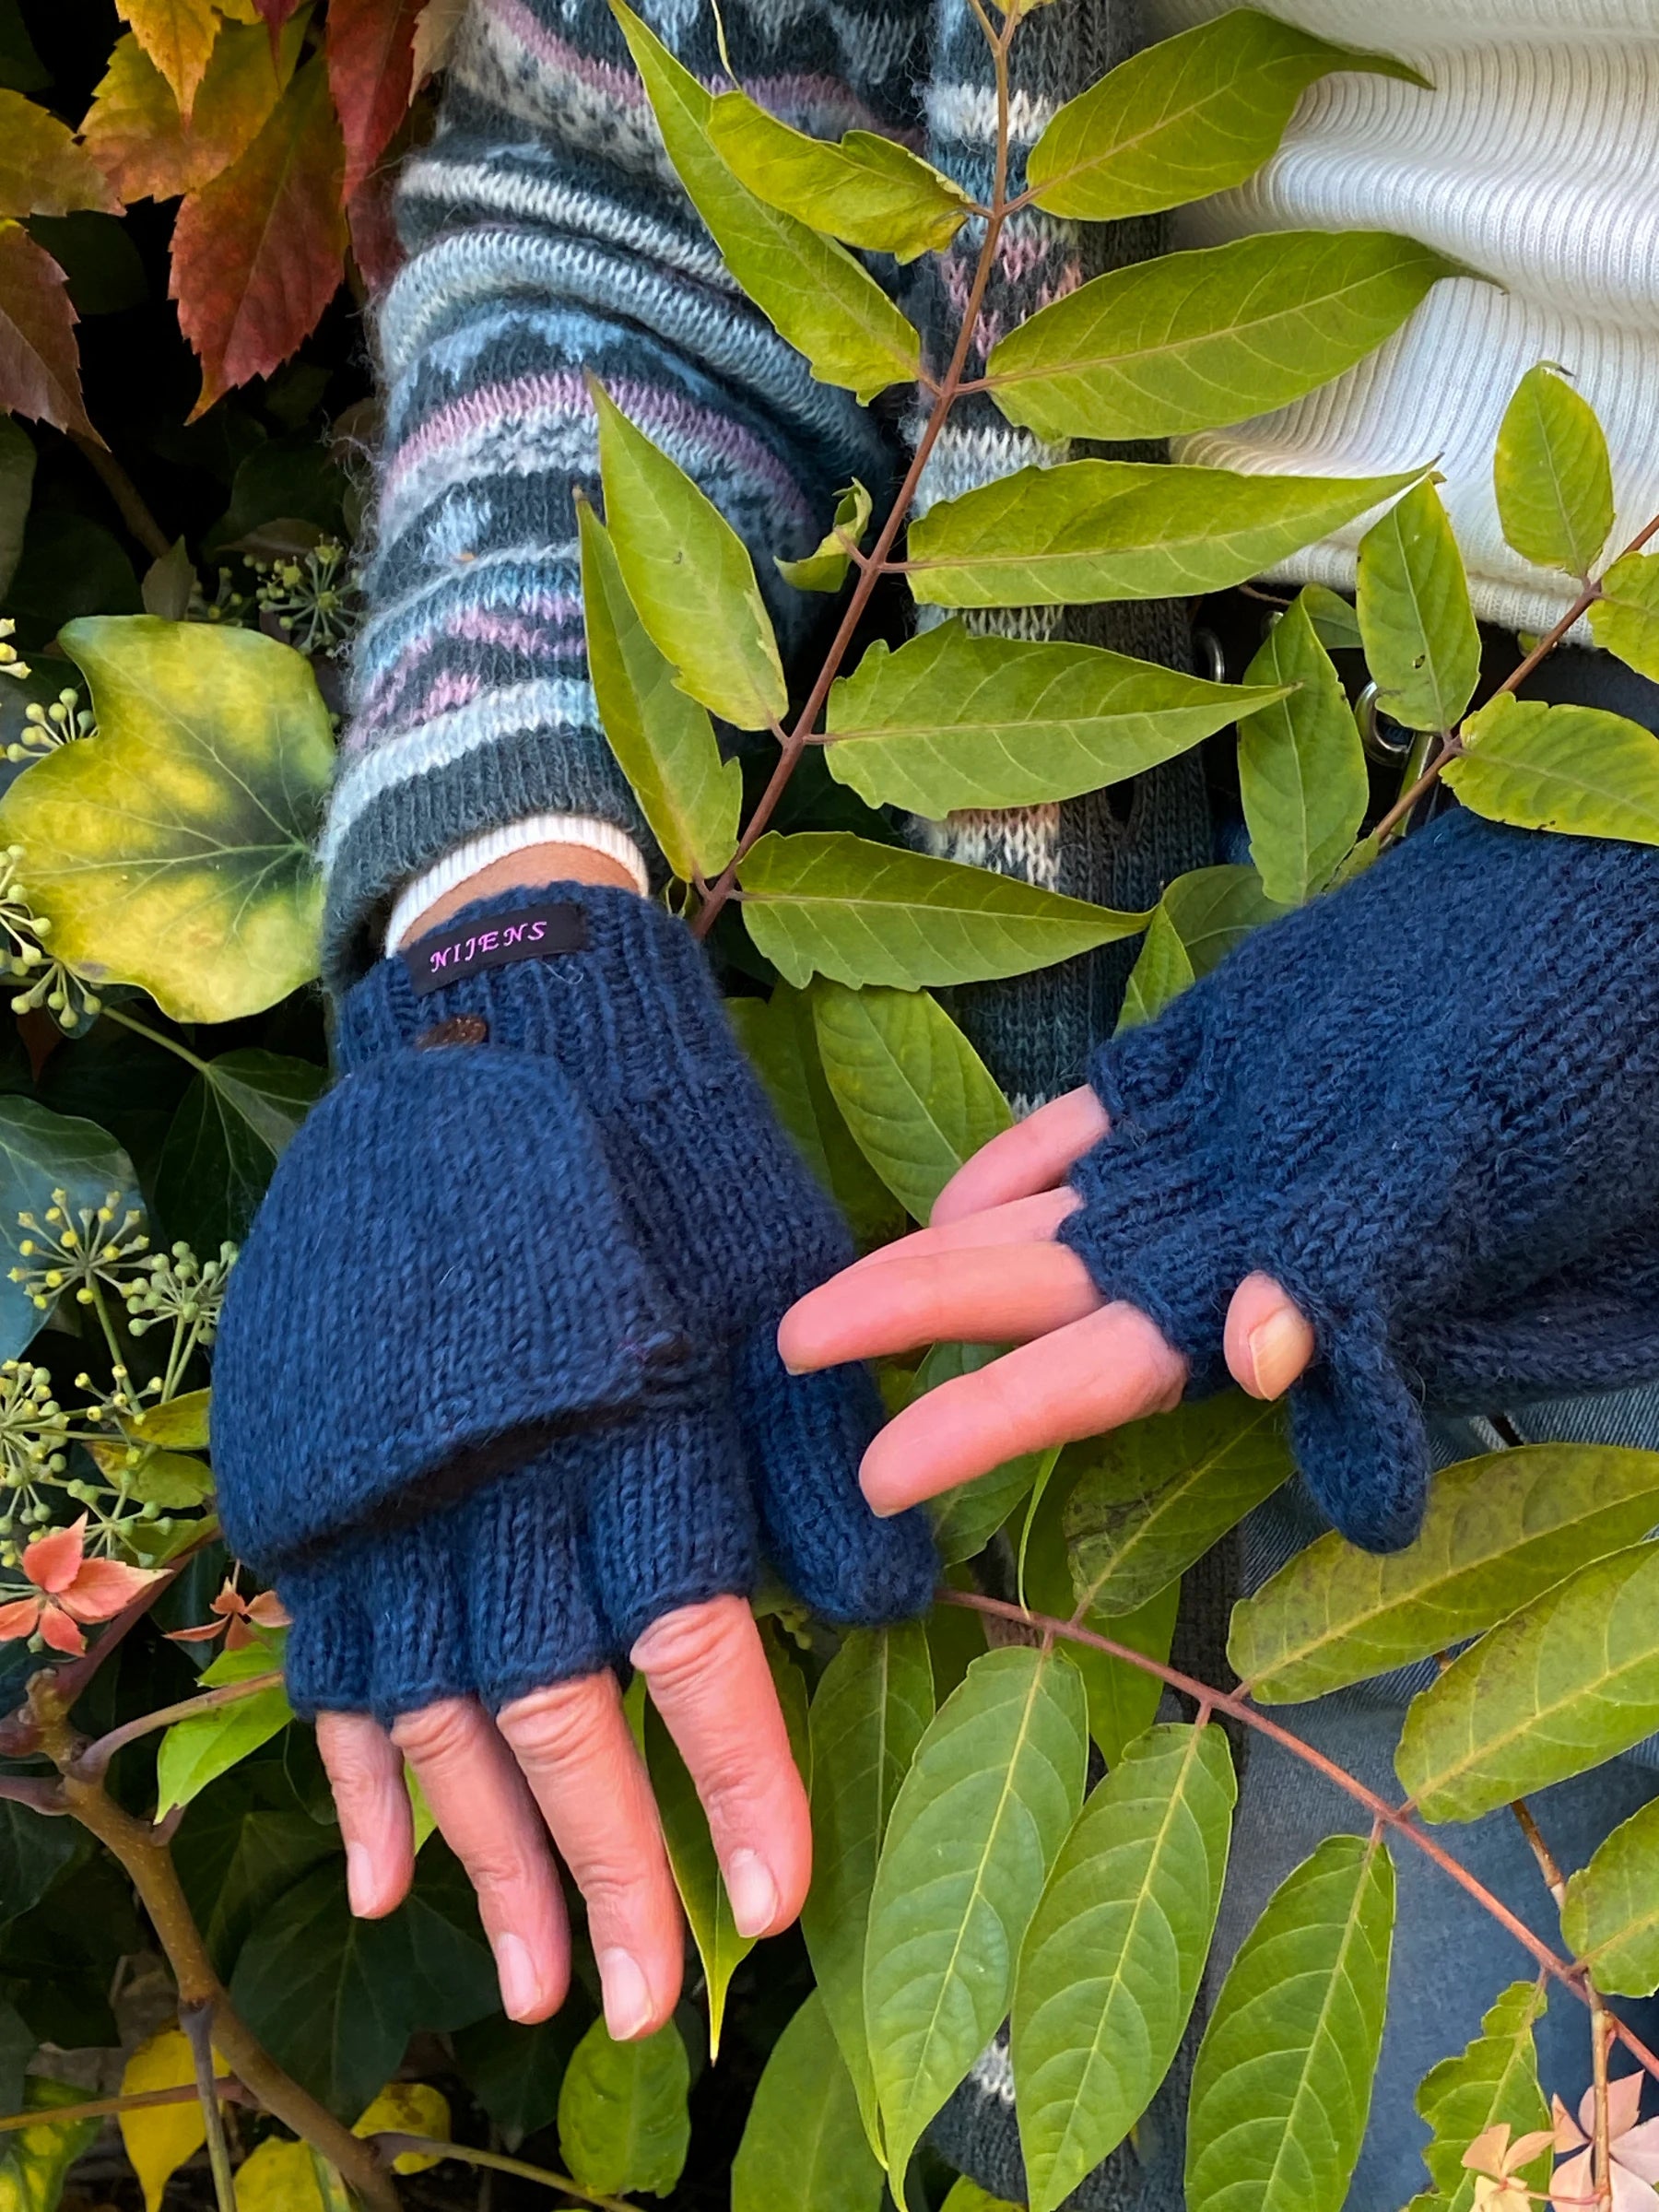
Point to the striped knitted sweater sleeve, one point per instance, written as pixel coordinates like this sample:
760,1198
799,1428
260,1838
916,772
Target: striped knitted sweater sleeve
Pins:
546,234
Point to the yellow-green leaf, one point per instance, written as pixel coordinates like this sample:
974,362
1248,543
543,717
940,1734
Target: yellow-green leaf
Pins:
869,191
1610,1916
134,129
1421,642
1189,341
159,2139
280,2177
825,568
42,171
1577,770
1492,2081
173,849
1552,475
696,1870
966,1518
35,2160
688,576
813,291
1187,117
1200,918
827,903
181,1425
622,2119
178,36
1090,530
408,2108
1625,620
662,739
953,720
804,2147
197,1751
1302,765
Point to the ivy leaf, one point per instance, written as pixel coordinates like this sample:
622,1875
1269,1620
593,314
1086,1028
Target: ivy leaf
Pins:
814,293
41,1152
1153,1497
825,568
178,36
979,1818
662,739
197,1751
232,1126
371,49
696,1874
830,903
1578,769
1569,1682
1111,1964
952,720
688,575
804,2146
158,2140
622,2120
918,1099
1422,643
1090,530
1200,918
867,191
1283,2080
1492,2082
1302,765
39,367
868,1714
1500,1531
42,171
1187,117
1552,475
1610,1914
173,849
237,1857
259,251
1191,340
35,2161
1625,620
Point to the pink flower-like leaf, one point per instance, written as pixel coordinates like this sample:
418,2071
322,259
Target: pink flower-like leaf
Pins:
53,1562
101,1588
20,1619
73,1589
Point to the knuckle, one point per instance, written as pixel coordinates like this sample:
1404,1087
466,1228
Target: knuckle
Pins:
437,1733
679,1648
559,1725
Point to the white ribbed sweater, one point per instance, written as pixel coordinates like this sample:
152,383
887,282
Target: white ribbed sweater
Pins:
1536,160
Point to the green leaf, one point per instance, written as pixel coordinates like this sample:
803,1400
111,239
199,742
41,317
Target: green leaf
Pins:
966,1518
867,191
780,1038
236,1856
515,2072
1494,2079
41,1152
1566,1683
966,2195
17,486
1625,620
173,849
1112,1961
952,720
1089,530
1187,117
1302,766
827,902
662,739
34,1850
232,1126
1577,770
825,568
180,1424
1162,971
814,293
1421,642
1553,477
35,2161
170,1479
1153,1497
696,1874
916,1095
689,578
869,1713
804,2147
198,1751
1610,1916
622,2119
980,1818
1189,341
1336,621
1282,2081
1200,918
1500,1531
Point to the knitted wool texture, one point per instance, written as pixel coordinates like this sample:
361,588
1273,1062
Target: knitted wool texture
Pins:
497,1384
1428,1105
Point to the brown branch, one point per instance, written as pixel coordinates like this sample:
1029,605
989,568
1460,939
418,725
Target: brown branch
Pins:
95,1760
126,495
391,2144
230,2091
196,2021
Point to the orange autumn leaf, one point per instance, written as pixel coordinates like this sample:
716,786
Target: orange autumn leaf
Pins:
135,133
258,254
39,367
42,171
71,1589
178,36
371,70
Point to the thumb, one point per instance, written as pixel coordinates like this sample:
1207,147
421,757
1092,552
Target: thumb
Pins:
1268,1342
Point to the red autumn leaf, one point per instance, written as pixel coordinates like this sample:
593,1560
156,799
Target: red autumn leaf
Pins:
274,14
375,245
372,69
134,129
258,254
39,367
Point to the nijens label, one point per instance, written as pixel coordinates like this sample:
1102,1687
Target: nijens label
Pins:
532,933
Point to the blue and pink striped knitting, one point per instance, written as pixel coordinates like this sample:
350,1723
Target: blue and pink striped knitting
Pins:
498,1385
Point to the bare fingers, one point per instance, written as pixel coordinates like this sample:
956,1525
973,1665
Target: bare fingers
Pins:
1268,1342
1033,1155
365,1772
976,1296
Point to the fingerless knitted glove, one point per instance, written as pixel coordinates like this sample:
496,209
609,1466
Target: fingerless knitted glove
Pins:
497,1384
1426,1105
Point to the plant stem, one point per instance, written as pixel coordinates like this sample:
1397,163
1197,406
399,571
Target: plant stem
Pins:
227,2088
95,1760
1601,2168
126,495
197,2020
392,2145
169,1044
876,563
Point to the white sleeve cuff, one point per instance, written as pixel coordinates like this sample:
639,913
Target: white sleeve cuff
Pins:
462,861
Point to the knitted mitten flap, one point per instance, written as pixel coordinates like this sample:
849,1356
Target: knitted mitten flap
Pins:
1426,1105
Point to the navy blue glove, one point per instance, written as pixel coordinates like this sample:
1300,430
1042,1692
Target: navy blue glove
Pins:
1428,1106
496,1384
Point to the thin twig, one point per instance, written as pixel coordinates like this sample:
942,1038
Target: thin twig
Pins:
391,2145
169,1044
197,2020
126,495
95,1758
230,2091
1601,2169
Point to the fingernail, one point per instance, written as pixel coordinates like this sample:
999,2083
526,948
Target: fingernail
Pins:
627,1995
521,1989
753,1892
361,1885
1279,1348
